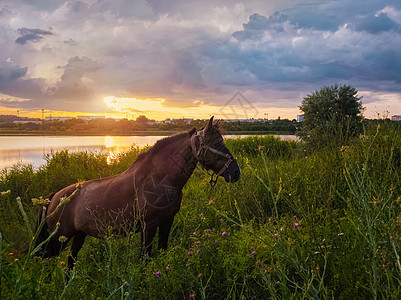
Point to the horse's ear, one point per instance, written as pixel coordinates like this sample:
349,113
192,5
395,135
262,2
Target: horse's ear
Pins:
209,125
192,131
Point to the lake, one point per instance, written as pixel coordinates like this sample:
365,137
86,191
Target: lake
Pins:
32,149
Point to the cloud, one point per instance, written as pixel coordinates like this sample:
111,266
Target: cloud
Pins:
276,51
375,24
10,72
72,86
33,35
258,25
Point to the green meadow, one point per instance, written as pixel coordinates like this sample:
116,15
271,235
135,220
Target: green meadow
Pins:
302,222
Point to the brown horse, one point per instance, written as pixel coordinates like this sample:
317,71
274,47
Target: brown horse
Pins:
145,197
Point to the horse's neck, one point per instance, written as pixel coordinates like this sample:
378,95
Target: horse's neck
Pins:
174,162
178,161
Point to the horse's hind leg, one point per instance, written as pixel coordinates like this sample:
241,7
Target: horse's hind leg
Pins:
77,242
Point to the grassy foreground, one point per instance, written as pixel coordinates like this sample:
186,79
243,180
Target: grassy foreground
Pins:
298,224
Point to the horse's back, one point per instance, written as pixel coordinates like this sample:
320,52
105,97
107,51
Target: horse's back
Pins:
93,202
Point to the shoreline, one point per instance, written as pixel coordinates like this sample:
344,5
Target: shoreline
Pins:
134,133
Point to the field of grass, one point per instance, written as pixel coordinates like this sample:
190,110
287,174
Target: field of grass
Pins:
298,224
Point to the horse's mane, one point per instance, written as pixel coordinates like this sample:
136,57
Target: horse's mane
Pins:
160,144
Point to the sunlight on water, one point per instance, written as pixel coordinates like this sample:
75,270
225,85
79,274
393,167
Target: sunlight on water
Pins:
113,148
32,149
109,141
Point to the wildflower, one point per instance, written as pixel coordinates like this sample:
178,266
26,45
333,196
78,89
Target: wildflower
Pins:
197,251
194,233
40,201
221,220
5,192
276,234
167,268
376,200
62,239
216,241
191,296
295,225
224,233
158,274
295,217
253,253
199,275
189,253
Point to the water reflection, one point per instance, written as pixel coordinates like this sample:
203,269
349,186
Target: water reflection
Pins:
32,149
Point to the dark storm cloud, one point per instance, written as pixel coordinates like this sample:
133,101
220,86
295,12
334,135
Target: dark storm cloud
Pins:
33,35
258,25
10,72
283,48
375,24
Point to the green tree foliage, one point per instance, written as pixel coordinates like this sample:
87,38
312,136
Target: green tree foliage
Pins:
332,116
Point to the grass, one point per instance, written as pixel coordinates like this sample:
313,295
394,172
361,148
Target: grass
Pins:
299,224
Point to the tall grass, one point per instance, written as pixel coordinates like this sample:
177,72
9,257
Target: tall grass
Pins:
299,224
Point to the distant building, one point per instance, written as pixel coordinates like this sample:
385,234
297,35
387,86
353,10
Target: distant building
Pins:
185,120
58,118
252,120
87,118
396,118
26,122
300,118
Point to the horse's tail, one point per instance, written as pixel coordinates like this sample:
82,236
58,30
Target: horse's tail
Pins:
43,235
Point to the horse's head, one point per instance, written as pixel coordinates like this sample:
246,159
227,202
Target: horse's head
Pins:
208,147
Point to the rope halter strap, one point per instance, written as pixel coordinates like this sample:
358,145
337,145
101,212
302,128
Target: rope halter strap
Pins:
200,152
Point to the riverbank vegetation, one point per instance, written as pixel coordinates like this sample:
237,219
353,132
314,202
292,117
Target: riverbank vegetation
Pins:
300,223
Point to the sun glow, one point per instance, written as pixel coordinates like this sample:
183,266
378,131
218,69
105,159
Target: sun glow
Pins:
156,108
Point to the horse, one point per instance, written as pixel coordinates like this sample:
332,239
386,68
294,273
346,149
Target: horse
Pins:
144,198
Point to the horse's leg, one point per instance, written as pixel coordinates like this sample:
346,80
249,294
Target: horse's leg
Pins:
164,231
150,232
76,245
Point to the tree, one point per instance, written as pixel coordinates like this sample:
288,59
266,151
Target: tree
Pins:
331,115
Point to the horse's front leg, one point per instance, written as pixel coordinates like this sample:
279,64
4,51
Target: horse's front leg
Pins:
148,235
164,231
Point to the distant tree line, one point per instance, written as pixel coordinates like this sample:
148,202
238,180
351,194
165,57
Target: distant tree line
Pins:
141,124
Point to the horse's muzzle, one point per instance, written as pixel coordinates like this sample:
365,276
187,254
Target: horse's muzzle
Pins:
233,172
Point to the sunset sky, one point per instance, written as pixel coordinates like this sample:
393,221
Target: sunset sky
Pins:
176,58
